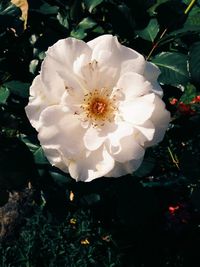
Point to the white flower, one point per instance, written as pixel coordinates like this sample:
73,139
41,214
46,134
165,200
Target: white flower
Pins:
96,107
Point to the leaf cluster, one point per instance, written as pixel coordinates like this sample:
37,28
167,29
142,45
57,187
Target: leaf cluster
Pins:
43,241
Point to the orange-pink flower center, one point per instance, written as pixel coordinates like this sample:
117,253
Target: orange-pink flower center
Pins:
99,106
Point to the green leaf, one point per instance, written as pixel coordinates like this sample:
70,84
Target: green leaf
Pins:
18,88
47,9
62,18
173,68
10,17
152,9
7,8
36,150
4,94
90,199
189,93
75,12
147,166
83,26
194,61
193,19
126,15
91,4
87,23
59,178
150,32
39,156
99,30
79,34
33,66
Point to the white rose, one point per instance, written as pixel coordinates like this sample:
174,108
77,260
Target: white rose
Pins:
96,107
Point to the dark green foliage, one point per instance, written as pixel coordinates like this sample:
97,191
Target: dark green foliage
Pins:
194,60
173,68
16,163
134,209
45,242
151,31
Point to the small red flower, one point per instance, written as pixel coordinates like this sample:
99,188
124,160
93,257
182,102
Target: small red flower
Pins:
185,108
173,101
172,209
196,99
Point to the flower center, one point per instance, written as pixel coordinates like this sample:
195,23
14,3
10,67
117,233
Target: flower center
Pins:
99,106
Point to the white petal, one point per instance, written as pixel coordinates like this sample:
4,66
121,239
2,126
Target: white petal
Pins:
90,75
121,169
122,129
133,85
151,73
132,61
139,110
72,101
160,118
126,58
94,42
66,51
86,168
93,139
56,159
114,59
146,132
157,89
39,99
57,79
61,129
128,149
65,59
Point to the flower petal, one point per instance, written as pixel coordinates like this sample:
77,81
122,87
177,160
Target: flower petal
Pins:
96,164
122,129
128,149
132,61
62,130
58,81
139,110
39,99
92,138
160,118
72,101
133,85
146,132
121,169
108,50
114,59
151,73
56,159
65,59
66,51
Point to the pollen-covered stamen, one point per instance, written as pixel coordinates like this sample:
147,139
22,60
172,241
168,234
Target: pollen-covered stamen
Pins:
98,106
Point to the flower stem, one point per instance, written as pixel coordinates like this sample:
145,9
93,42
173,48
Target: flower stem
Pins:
189,6
174,158
156,44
